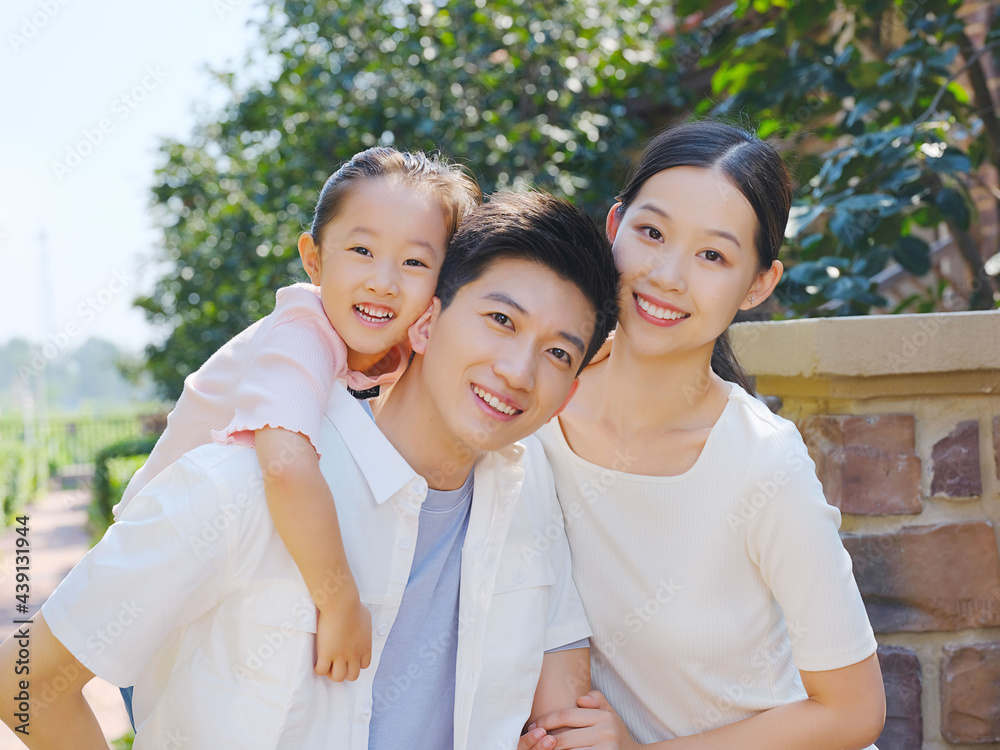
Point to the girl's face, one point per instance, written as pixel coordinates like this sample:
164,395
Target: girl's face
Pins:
685,249
377,266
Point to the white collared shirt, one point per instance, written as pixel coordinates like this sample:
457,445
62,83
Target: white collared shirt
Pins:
194,599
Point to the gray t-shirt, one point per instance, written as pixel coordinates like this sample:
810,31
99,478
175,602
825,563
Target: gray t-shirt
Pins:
413,695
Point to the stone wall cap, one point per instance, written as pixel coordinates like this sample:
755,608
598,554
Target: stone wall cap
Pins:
870,345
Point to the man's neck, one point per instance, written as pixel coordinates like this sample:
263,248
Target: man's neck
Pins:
412,423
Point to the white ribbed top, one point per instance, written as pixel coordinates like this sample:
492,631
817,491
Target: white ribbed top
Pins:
709,590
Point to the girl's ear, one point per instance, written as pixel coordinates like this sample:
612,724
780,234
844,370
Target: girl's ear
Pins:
614,221
421,328
763,286
309,253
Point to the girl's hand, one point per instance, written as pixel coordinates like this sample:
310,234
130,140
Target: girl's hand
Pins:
595,724
343,639
536,739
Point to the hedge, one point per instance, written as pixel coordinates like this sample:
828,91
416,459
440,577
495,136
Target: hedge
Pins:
113,468
20,474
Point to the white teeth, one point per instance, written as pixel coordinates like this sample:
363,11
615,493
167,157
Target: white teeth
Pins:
659,312
494,401
375,315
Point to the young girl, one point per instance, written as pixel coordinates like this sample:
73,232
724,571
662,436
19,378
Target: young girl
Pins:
378,237
723,605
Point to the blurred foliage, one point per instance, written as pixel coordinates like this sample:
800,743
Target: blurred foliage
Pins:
877,84
561,96
22,471
114,466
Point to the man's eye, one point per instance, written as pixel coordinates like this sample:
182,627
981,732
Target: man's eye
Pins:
361,250
414,262
562,354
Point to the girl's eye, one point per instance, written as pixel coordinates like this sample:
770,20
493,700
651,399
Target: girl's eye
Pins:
652,232
713,256
361,250
415,262
500,318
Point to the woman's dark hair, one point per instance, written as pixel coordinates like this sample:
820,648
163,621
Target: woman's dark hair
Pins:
546,230
756,170
450,184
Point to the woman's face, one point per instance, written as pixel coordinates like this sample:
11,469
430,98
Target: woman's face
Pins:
685,249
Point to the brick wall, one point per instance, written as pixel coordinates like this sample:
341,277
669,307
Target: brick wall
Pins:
902,417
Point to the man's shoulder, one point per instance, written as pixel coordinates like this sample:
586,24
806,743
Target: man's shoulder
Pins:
221,458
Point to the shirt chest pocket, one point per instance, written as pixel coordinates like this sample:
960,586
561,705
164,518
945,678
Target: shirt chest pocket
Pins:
516,624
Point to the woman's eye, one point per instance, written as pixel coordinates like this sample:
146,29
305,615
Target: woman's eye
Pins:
500,318
713,256
414,262
361,250
653,233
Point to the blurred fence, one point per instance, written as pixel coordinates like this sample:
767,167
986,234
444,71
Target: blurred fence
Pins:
72,440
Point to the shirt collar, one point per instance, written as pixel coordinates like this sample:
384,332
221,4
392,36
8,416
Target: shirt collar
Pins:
385,471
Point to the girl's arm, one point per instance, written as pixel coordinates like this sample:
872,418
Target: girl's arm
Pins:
565,675
305,517
845,710
63,716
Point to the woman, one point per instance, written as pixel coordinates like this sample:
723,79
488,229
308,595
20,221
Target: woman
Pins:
724,609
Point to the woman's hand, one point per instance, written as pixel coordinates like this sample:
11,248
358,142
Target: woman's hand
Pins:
594,724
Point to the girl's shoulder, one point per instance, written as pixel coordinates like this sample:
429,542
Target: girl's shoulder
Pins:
298,298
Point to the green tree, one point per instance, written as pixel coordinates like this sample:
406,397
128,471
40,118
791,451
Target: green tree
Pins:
877,83
561,96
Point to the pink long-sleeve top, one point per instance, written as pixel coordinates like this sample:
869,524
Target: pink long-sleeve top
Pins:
276,373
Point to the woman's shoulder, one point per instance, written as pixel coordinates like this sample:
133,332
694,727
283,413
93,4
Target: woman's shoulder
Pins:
767,431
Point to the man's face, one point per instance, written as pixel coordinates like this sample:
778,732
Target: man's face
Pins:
502,358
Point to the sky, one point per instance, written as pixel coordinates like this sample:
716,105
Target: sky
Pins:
88,90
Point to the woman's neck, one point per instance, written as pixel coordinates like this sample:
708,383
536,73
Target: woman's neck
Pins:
636,392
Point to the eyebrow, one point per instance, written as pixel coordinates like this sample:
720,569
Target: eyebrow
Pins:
506,299
374,233
716,232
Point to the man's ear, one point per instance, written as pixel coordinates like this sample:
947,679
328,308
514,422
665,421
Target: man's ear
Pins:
420,331
572,390
309,253
614,221
763,285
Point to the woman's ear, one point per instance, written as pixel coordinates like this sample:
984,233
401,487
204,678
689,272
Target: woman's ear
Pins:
310,255
763,285
614,221
421,328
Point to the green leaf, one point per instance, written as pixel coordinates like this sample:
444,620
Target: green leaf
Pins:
952,204
800,217
913,254
952,161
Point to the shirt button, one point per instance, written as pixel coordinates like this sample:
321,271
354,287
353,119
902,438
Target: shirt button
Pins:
383,629
366,709
520,576
404,543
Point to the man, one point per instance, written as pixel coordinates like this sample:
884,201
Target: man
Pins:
193,598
